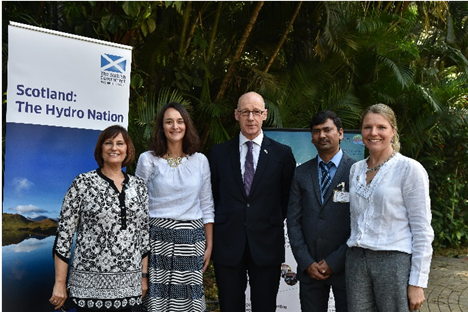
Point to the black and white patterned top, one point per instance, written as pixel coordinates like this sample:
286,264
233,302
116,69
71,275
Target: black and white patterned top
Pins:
111,240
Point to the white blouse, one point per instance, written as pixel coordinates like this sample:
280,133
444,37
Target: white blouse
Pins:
393,212
180,193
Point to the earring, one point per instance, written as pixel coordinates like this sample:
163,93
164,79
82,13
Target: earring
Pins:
391,141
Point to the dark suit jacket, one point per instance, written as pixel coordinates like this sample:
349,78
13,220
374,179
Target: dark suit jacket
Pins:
318,231
257,218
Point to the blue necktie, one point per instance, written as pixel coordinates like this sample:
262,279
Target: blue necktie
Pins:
249,167
326,178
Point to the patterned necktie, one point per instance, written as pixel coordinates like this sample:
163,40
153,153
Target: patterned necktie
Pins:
249,167
326,178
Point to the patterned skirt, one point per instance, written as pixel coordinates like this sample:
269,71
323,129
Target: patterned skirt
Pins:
175,266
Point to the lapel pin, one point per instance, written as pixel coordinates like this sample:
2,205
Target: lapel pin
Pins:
266,152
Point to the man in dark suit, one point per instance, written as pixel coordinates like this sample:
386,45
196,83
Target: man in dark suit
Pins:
251,183
319,225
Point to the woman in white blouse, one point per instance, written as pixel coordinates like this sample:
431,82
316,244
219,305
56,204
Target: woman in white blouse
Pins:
388,262
181,213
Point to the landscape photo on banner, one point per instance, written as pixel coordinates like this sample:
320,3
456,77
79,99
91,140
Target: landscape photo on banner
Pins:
63,90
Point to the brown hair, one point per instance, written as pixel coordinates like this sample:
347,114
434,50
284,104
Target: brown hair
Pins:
191,141
389,114
110,133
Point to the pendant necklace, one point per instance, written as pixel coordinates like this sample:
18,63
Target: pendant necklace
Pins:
380,166
173,162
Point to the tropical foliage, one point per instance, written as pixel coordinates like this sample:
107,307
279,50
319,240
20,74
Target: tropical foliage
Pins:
302,57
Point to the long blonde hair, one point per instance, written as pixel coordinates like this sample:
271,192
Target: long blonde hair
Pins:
389,114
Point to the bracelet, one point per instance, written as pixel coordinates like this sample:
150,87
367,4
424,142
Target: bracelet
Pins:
144,274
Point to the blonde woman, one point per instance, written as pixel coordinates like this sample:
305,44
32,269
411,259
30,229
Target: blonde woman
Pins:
388,262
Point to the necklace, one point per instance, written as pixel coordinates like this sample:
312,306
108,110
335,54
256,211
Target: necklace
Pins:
379,166
173,162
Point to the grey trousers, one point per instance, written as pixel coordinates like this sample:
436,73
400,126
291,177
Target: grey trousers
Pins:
377,280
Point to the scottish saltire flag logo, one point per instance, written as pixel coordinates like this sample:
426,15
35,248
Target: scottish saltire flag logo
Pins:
113,70
113,63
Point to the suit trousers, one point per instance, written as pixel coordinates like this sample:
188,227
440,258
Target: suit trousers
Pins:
232,283
316,295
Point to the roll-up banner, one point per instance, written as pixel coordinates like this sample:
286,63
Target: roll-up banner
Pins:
63,90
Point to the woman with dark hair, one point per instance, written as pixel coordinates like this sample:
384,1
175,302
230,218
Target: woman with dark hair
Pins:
389,255
108,211
181,213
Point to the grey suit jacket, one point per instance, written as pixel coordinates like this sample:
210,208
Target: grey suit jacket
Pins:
318,231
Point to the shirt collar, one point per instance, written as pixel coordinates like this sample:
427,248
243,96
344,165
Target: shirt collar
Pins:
335,160
258,140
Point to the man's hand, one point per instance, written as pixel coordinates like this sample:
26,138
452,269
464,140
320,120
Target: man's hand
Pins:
317,271
325,269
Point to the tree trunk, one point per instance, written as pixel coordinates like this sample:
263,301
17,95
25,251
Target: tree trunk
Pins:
240,48
215,30
283,38
188,9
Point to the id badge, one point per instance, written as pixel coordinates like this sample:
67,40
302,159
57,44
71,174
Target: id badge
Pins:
130,192
340,197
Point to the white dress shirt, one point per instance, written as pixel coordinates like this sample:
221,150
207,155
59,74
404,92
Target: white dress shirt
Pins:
393,212
257,144
180,193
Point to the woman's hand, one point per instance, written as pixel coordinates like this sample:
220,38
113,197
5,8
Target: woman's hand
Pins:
206,259
59,295
415,297
144,286
208,246
144,280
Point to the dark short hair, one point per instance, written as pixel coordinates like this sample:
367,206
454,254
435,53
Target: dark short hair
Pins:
110,133
322,116
191,141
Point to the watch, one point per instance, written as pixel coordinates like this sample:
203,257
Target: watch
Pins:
144,274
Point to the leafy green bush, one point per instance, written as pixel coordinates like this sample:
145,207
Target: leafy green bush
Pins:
447,166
